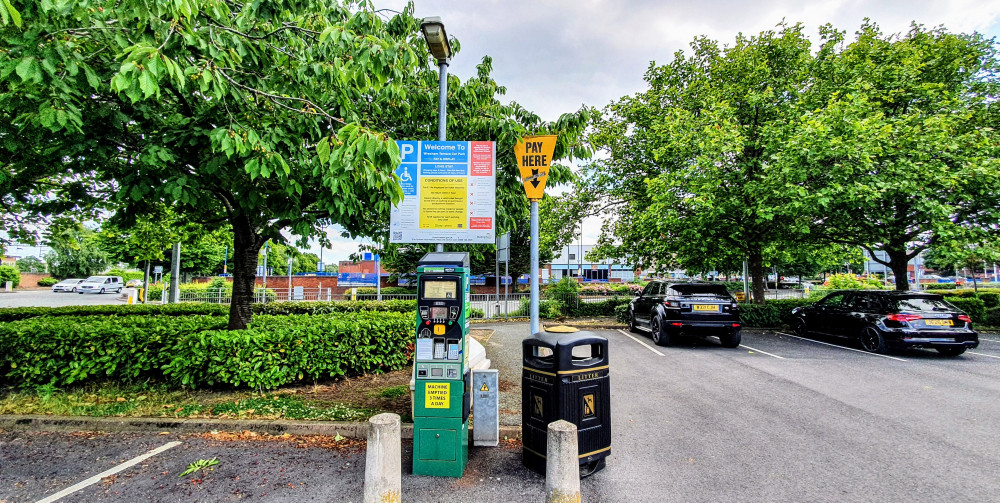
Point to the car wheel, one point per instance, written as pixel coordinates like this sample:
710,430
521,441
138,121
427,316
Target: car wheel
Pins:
73,290
119,290
872,340
660,336
102,290
631,322
731,339
799,327
951,351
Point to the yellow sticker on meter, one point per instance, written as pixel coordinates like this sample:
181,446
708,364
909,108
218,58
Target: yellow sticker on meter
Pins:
437,395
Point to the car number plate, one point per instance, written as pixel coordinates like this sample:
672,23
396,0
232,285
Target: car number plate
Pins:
940,323
705,307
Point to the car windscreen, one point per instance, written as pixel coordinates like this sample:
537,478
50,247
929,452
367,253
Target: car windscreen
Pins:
921,303
700,290
95,279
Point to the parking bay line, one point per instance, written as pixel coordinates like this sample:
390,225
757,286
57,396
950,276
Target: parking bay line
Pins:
842,347
97,478
759,351
640,342
982,354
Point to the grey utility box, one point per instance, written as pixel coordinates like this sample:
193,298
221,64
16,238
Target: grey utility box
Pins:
485,407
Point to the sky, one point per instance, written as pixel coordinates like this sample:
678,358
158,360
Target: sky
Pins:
555,56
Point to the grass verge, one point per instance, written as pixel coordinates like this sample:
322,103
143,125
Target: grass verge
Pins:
156,400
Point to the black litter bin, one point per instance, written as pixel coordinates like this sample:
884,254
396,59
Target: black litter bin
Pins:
565,376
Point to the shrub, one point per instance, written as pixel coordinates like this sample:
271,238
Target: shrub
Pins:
605,308
398,290
47,281
475,313
773,313
975,308
621,313
198,308
218,290
126,275
851,282
547,309
195,351
73,349
9,273
992,317
275,351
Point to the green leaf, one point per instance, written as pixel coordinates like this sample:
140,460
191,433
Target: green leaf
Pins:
14,14
28,69
148,84
323,150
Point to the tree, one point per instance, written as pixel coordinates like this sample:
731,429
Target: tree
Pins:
30,264
958,254
895,148
688,180
75,252
264,116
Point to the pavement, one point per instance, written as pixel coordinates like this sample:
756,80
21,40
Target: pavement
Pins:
780,418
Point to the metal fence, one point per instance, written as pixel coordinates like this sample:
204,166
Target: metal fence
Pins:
484,306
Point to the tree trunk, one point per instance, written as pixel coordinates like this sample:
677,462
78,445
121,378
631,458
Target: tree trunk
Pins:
246,246
897,262
757,275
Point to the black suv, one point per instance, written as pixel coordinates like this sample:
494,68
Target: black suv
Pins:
881,320
669,309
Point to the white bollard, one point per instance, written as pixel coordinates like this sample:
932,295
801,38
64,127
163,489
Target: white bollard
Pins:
562,463
383,463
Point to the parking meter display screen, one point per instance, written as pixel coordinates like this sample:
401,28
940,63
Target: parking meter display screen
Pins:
440,289
439,313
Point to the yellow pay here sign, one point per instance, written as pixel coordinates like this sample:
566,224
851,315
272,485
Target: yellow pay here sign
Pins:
437,395
534,157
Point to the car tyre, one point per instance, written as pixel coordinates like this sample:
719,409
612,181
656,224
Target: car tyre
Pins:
731,339
73,290
659,334
872,341
119,290
102,290
951,351
799,327
632,327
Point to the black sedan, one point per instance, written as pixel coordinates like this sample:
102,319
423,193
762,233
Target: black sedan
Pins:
670,309
881,320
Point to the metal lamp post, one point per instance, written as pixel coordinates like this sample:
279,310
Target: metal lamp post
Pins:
440,48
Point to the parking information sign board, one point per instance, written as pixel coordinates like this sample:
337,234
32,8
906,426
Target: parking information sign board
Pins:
449,193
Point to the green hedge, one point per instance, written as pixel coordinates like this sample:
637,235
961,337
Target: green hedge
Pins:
606,308
188,308
47,281
10,273
182,309
975,308
196,351
71,349
278,350
773,313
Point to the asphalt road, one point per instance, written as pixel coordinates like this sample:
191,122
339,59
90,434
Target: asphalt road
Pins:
778,419
48,298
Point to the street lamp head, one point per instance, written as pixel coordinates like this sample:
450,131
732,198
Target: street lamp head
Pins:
437,38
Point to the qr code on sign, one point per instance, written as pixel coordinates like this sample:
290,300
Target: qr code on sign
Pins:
397,235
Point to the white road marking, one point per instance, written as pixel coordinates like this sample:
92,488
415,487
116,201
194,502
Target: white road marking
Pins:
981,354
640,342
97,478
759,351
842,347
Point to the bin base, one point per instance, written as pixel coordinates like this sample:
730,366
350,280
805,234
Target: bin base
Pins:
536,463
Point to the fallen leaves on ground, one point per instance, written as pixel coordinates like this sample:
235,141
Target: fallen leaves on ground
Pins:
332,442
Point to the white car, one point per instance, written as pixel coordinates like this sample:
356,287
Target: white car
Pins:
67,285
101,284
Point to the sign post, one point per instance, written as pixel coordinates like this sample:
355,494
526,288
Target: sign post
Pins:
534,158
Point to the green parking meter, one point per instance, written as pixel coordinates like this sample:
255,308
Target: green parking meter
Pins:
442,379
